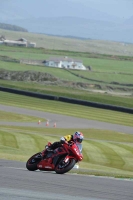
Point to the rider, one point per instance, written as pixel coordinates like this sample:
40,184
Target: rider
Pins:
77,137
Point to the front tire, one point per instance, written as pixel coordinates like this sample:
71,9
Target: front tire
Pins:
63,168
32,163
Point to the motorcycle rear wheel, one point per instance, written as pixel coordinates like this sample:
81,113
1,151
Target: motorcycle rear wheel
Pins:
61,169
31,164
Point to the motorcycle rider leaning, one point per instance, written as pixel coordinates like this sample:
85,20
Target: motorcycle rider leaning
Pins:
77,137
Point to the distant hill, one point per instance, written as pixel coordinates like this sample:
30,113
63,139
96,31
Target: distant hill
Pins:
33,9
64,26
12,27
71,18
79,28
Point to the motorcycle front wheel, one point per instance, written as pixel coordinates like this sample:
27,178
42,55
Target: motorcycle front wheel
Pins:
63,167
31,164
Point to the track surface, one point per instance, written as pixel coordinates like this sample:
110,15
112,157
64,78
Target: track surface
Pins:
16,183
63,121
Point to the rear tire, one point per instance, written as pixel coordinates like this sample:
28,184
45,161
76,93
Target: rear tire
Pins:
32,163
61,170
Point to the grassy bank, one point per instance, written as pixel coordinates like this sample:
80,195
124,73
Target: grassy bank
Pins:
13,117
103,64
105,152
70,92
119,75
110,75
66,109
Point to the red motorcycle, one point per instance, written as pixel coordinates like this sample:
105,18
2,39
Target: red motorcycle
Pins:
61,160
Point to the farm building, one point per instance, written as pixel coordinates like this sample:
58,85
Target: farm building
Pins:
65,62
29,44
15,43
20,42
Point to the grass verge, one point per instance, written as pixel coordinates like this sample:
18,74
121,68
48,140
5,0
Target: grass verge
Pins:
13,117
70,92
105,152
66,109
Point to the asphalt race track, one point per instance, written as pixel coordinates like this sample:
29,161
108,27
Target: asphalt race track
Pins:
17,183
63,121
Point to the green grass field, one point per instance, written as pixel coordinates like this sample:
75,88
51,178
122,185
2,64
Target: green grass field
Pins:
66,109
115,73
68,44
13,117
98,64
109,76
70,92
105,152
59,73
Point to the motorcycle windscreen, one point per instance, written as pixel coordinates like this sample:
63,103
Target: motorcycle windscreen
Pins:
79,147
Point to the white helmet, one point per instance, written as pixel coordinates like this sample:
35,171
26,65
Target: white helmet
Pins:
78,137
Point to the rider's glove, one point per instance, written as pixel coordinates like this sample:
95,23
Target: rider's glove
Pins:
63,141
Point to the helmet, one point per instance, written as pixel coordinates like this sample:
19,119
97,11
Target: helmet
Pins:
78,137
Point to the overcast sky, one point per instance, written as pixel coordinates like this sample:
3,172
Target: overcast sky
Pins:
119,8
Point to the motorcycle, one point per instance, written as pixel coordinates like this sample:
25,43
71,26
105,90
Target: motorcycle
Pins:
60,160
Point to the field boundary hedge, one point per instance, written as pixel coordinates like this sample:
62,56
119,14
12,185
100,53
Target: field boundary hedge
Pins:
68,100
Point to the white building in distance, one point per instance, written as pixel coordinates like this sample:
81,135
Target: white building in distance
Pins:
14,43
20,42
65,62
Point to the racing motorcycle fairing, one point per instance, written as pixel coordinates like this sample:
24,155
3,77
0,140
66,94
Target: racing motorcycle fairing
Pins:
60,160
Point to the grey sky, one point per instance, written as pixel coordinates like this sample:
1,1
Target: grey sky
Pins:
119,8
